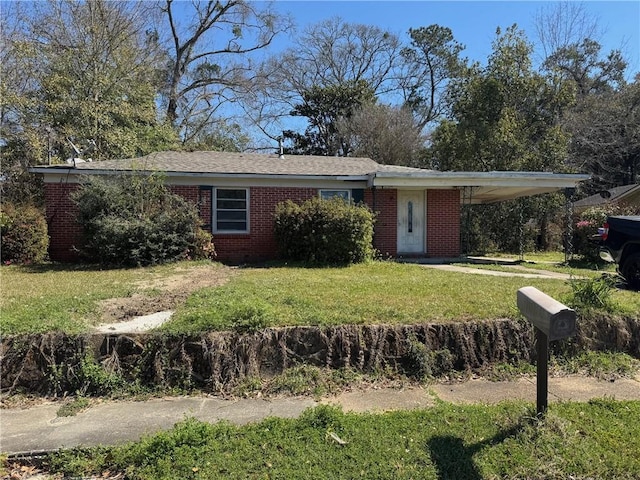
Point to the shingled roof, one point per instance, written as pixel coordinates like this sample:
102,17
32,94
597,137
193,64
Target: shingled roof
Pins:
614,195
240,163
485,187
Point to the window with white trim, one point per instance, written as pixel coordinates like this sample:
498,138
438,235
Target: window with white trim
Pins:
329,194
231,210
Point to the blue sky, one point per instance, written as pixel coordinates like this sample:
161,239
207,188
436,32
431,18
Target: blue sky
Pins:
474,23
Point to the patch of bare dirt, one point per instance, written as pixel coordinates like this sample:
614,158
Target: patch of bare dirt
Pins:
163,293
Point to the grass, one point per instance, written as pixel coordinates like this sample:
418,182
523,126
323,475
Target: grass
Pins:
73,406
65,297
598,439
573,269
376,293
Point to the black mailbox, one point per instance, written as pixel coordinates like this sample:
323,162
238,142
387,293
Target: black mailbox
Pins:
552,317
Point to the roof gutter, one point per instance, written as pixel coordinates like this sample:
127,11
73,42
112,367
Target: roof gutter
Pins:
170,174
472,179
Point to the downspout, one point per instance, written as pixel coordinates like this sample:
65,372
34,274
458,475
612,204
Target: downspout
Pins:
373,206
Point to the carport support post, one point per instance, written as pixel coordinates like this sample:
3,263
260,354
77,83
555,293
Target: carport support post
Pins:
542,373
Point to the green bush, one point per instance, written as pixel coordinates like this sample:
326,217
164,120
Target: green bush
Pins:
24,234
585,233
326,232
134,220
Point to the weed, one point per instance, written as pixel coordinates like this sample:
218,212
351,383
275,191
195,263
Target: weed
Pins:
250,317
509,371
602,365
72,407
93,379
422,363
306,380
593,293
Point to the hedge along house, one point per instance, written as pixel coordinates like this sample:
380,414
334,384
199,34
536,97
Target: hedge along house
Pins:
418,211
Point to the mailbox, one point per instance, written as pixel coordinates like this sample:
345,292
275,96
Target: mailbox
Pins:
547,314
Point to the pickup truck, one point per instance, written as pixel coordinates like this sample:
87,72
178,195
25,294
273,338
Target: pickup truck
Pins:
620,243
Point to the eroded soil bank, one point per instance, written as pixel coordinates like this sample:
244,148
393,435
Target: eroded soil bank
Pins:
214,361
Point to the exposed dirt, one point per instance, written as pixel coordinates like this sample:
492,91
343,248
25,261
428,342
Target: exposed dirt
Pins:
164,293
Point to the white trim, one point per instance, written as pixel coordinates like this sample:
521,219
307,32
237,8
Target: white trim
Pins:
214,212
473,179
235,181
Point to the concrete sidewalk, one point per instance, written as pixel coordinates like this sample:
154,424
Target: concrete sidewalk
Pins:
113,422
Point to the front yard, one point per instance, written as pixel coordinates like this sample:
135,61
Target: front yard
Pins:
599,439
73,299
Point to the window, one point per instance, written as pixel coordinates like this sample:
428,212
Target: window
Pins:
230,211
329,194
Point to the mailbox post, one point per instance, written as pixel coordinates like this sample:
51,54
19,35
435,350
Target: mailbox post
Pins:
552,321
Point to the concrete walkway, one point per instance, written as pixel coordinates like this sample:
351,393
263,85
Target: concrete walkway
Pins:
512,267
521,272
39,428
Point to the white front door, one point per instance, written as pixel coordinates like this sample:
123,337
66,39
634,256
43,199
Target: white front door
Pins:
411,221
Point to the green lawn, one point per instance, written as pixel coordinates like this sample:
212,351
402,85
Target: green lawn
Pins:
376,293
66,298
599,439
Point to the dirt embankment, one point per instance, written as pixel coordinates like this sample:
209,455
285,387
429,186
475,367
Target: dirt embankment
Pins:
215,361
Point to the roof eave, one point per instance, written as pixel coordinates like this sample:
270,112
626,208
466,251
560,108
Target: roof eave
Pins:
174,174
478,179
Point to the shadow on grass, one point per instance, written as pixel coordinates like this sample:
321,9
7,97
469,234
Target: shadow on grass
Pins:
67,267
453,460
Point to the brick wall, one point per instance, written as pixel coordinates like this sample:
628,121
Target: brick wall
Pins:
443,223
260,243
383,203
65,234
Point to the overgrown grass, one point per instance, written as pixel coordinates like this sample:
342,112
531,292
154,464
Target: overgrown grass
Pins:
599,439
64,297
374,293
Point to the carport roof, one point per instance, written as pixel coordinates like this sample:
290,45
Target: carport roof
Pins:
481,187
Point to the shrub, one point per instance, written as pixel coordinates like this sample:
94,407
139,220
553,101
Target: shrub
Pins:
24,234
586,224
421,363
134,220
324,231
585,233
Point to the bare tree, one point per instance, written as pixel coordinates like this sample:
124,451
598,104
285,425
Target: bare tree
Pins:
605,131
388,135
211,62
564,23
328,54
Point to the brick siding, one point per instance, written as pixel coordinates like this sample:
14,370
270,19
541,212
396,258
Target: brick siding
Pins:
64,232
383,203
443,223
259,243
